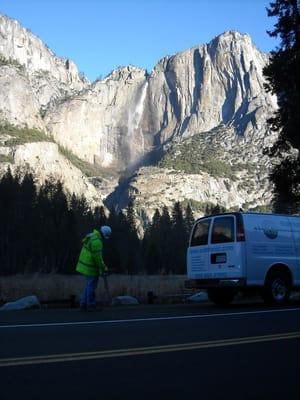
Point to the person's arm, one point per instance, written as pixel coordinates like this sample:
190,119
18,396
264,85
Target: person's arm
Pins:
96,249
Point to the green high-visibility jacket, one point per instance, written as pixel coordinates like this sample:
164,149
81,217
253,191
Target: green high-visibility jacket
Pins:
90,261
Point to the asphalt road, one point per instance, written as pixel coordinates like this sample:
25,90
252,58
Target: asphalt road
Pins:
246,351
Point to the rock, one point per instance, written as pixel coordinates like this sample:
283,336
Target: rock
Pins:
191,92
45,159
32,77
103,124
197,298
22,304
18,104
295,296
129,118
19,44
124,300
154,187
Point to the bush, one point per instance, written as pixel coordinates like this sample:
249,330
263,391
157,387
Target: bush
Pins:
30,135
194,155
5,158
86,168
22,135
10,62
205,207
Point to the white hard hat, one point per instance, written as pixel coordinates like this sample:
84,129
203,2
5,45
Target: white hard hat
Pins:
106,231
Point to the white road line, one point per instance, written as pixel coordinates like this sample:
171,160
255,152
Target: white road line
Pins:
54,358
126,321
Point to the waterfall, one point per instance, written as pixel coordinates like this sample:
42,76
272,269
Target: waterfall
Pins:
135,113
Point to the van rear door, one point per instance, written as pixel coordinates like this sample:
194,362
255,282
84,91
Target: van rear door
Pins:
226,254
197,253
217,248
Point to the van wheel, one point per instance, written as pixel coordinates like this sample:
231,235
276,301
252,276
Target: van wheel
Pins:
277,288
221,297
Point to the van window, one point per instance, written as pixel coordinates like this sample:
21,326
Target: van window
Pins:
223,230
200,233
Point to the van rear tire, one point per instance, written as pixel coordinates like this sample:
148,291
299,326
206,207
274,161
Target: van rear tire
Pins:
221,296
277,288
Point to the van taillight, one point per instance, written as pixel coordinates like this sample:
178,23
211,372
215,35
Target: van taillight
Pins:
240,232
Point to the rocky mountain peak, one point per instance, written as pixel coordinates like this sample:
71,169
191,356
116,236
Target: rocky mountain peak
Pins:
18,43
130,118
232,37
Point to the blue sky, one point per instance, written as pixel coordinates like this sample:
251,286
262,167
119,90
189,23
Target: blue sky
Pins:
100,35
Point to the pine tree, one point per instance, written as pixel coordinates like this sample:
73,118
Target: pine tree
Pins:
27,224
133,242
189,220
283,79
211,209
100,216
151,254
54,243
179,240
9,211
112,249
130,216
165,241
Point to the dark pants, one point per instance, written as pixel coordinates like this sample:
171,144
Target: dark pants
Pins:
88,298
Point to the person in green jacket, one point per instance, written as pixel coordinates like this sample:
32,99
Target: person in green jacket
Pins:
91,265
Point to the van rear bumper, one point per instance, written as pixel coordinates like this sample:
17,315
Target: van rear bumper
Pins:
211,283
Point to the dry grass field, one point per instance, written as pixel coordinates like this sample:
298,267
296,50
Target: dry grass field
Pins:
52,287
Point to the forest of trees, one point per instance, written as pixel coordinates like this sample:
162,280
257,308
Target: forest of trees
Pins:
41,231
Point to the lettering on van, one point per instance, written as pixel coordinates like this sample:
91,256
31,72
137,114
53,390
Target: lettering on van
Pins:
269,231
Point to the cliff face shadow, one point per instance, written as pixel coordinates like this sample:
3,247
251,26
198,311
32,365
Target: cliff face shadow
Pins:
121,196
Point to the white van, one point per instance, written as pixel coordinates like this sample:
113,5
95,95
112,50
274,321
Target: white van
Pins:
234,252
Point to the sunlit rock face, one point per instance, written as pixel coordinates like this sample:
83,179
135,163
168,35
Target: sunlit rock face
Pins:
156,187
46,162
118,120
130,117
104,123
18,104
32,74
209,85
18,43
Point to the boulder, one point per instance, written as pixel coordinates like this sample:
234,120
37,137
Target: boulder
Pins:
197,297
22,304
124,300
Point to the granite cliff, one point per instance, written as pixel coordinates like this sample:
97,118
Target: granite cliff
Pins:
209,99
